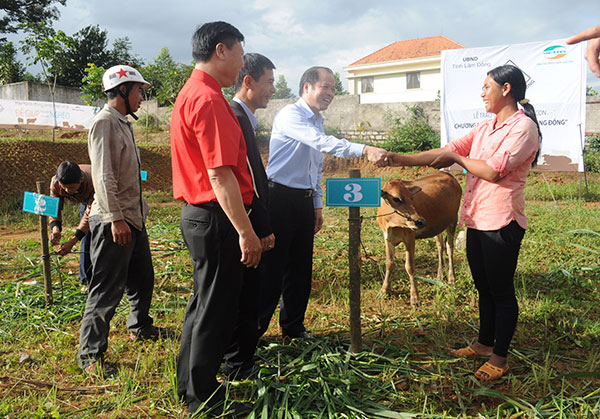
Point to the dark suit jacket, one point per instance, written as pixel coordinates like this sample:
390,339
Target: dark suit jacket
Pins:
258,216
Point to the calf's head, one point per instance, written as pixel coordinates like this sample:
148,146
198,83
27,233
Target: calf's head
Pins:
398,194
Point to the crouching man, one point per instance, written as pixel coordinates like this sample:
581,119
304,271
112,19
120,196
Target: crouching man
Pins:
74,183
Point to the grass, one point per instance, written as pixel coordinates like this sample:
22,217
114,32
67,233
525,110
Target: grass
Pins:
405,369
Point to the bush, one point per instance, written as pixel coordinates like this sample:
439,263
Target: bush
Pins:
335,131
148,123
263,134
415,134
591,155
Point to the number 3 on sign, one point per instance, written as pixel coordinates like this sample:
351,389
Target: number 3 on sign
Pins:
354,194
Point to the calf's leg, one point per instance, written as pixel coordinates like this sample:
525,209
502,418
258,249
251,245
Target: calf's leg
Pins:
386,287
410,267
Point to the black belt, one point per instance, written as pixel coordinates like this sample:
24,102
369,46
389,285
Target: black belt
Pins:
304,193
211,205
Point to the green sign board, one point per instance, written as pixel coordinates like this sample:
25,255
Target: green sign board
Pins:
353,192
40,204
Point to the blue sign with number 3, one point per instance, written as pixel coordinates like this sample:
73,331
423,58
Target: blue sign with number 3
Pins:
353,192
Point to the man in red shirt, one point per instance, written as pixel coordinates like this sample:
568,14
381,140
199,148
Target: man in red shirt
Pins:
211,177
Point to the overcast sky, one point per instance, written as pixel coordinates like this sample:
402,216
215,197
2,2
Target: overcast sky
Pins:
298,34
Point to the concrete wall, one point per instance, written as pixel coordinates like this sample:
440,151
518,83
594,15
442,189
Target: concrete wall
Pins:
151,107
592,120
346,113
39,92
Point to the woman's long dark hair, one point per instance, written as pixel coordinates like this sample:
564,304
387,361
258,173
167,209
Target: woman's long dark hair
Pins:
514,76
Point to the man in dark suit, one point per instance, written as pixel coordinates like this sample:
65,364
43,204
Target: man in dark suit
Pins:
254,89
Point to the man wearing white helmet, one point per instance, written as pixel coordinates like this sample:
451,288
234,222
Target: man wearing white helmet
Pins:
120,251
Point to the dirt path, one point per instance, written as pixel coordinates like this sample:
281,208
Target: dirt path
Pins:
8,234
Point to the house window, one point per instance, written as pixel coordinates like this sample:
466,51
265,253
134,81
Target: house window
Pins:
413,80
366,84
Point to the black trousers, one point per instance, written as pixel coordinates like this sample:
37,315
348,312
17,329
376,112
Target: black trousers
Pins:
288,267
240,352
213,310
493,259
116,270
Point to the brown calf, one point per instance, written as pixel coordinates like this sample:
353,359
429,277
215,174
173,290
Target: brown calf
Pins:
419,209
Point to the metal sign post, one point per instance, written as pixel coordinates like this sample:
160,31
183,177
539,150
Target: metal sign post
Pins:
354,193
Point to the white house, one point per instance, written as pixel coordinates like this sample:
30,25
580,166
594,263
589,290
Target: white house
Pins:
405,71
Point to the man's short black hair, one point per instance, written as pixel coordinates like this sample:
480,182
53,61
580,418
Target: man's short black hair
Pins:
312,75
255,66
114,92
207,36
68,173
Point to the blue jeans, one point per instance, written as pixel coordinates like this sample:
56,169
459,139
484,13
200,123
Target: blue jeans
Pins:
85,261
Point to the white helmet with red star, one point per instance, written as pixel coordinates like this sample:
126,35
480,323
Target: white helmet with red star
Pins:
120,74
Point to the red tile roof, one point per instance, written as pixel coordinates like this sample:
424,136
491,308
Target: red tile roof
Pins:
413,48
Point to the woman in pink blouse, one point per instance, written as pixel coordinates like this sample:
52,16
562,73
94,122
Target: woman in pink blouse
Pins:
497,155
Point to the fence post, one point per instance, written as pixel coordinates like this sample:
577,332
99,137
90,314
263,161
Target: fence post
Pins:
45,253
354,285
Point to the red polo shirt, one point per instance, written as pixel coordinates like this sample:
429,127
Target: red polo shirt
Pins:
205,134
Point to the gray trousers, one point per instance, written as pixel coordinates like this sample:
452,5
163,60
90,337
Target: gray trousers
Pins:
115,270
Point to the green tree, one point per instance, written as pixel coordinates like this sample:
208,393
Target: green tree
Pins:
590,91
282,91
21,12
11,70
166,76
91,84
90,45
339,87
49,49
121,54
228,92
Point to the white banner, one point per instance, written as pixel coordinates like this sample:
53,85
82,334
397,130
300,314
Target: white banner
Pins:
44,115
555,76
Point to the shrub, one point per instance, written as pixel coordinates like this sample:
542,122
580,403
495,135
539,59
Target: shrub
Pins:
263,134
335,131
148,122
414,134
591,156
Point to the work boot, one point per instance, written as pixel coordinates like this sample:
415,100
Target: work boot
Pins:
152,333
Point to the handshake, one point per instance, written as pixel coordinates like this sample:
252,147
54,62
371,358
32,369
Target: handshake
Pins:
437,158
380,157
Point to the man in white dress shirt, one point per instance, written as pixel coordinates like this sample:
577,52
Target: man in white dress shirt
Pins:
298,142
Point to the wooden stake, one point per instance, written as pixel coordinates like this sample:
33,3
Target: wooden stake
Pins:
354,285
45,252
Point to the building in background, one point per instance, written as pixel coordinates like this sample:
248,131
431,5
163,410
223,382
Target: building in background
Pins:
405,71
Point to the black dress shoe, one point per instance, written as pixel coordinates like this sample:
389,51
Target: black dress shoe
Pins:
233,410
238,410
302,335
240,374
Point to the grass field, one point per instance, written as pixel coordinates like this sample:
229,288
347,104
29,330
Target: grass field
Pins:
405,369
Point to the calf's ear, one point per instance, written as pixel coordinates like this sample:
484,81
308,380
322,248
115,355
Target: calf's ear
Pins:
414,190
